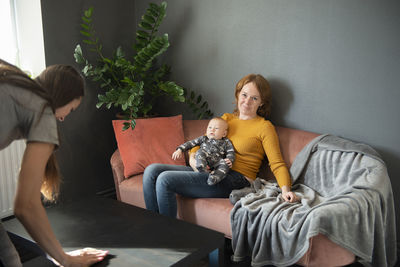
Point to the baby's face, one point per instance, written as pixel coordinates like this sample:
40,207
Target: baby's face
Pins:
217,129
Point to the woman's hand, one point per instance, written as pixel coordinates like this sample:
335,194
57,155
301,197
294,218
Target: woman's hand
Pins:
83,257
192,161
288,195
177,154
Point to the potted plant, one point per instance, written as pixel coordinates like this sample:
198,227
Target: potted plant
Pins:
134,85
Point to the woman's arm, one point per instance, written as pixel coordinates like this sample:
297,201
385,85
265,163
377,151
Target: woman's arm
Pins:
29,210
277,164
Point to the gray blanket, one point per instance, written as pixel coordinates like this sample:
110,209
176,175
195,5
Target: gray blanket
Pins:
346,195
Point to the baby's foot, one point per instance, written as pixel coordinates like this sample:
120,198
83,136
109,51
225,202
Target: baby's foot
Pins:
200,168
212,180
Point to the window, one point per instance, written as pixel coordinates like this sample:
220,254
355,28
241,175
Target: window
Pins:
8,44
19,47
21,34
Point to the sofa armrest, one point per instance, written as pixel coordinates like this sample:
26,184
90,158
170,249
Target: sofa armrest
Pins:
118,171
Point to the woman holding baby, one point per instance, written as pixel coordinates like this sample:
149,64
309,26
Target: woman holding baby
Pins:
252,136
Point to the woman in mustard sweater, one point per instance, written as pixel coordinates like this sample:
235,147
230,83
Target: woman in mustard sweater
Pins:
253,137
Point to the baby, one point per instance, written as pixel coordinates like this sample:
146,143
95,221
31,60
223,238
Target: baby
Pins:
214,148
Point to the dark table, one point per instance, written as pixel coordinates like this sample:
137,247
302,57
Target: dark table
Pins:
133,236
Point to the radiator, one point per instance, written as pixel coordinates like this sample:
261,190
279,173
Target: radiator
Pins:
10,162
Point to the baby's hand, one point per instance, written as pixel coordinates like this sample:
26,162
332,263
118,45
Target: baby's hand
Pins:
229,162
177,154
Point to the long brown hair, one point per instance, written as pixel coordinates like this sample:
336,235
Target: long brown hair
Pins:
58,85
264,89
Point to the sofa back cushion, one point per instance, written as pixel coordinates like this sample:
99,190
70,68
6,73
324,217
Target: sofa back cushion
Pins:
194,128
292,142
152,141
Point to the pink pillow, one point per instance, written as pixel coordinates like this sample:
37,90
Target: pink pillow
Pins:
152,141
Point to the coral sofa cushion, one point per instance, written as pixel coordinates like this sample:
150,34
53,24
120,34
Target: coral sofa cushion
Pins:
152,141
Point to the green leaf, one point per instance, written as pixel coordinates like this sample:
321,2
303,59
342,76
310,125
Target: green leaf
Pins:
163,5
98,105
85,26
145,25
154,7
88,13
78,55
89,42
148,19
124,106
142,34
126,126
119,52
133,124
107,60
145,57
87,20
85,33
174,90
152,12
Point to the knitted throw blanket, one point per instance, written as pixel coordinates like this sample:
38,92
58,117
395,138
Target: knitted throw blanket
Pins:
346,195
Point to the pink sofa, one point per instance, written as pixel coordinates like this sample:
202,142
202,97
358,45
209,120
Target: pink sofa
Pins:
214,213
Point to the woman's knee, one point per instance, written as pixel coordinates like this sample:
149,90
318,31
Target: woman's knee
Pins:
151,171
163,180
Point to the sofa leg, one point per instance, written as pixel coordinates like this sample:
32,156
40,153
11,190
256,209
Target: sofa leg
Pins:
221,256
216,258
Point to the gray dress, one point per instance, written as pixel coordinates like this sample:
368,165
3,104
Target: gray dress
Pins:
22,117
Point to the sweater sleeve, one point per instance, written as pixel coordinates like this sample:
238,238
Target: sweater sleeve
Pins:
275,159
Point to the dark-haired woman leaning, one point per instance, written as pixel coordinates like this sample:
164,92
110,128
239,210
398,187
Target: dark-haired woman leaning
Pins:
29,110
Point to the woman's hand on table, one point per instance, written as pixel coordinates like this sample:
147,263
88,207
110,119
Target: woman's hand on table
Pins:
83,257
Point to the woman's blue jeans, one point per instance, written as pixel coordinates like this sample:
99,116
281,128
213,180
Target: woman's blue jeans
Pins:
161,183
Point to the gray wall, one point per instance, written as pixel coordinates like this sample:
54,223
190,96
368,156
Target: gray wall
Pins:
87,137
334,65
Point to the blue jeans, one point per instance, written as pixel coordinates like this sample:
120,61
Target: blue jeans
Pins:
161,183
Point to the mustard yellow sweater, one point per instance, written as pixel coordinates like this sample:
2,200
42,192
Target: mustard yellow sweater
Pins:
253,139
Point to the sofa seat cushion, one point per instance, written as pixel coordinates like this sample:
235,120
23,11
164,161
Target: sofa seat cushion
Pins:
131,191
212,213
